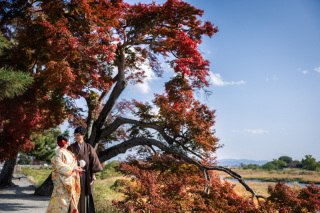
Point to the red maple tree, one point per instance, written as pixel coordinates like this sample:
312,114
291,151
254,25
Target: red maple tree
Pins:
91,49
286,199
162,183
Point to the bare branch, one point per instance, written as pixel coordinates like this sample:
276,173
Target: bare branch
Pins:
120,120
102,97
123,147
154,151
237,177
149,41
189,150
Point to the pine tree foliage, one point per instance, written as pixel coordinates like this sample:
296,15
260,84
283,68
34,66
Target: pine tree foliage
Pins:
45,144
12,83
24,159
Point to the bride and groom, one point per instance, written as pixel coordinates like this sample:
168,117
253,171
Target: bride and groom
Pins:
73,173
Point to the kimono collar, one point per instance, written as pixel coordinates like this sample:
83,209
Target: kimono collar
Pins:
80,145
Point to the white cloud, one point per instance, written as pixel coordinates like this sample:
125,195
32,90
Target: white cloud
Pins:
144,87
216,80
305,72
256,131
252,131
317,69
166,67
274,78
150,76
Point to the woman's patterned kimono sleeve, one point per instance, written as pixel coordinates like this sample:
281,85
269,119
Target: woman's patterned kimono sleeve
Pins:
58,164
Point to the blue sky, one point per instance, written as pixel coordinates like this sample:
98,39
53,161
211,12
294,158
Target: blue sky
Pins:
265,75
273,46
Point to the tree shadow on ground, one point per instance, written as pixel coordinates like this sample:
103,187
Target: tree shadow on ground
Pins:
21,198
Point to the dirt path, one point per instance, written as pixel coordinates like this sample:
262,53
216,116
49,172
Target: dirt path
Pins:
21,199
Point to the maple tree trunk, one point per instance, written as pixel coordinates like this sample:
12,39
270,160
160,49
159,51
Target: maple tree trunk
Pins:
7,173
46,188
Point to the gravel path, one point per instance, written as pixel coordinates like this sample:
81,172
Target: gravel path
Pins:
21,199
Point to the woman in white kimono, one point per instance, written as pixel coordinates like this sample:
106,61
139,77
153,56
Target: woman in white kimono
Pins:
65,177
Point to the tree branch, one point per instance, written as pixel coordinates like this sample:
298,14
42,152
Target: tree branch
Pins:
118,89
150,42
124,146
116,92
120,120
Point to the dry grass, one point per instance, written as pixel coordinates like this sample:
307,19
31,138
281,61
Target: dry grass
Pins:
259,188
104,194
272,176
290,175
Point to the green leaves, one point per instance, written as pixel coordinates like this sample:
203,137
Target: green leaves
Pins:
310,163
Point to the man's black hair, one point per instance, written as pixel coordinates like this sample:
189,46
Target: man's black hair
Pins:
62,137
81,130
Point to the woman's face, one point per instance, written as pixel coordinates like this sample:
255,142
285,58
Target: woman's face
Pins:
68,142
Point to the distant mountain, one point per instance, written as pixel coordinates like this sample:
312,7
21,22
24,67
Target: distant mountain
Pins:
237,162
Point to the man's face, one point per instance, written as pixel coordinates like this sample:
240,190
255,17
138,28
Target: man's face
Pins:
78,137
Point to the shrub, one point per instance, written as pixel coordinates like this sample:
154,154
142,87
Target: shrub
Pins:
287,199
162,184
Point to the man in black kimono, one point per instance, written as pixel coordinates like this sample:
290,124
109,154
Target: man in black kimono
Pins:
84,151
